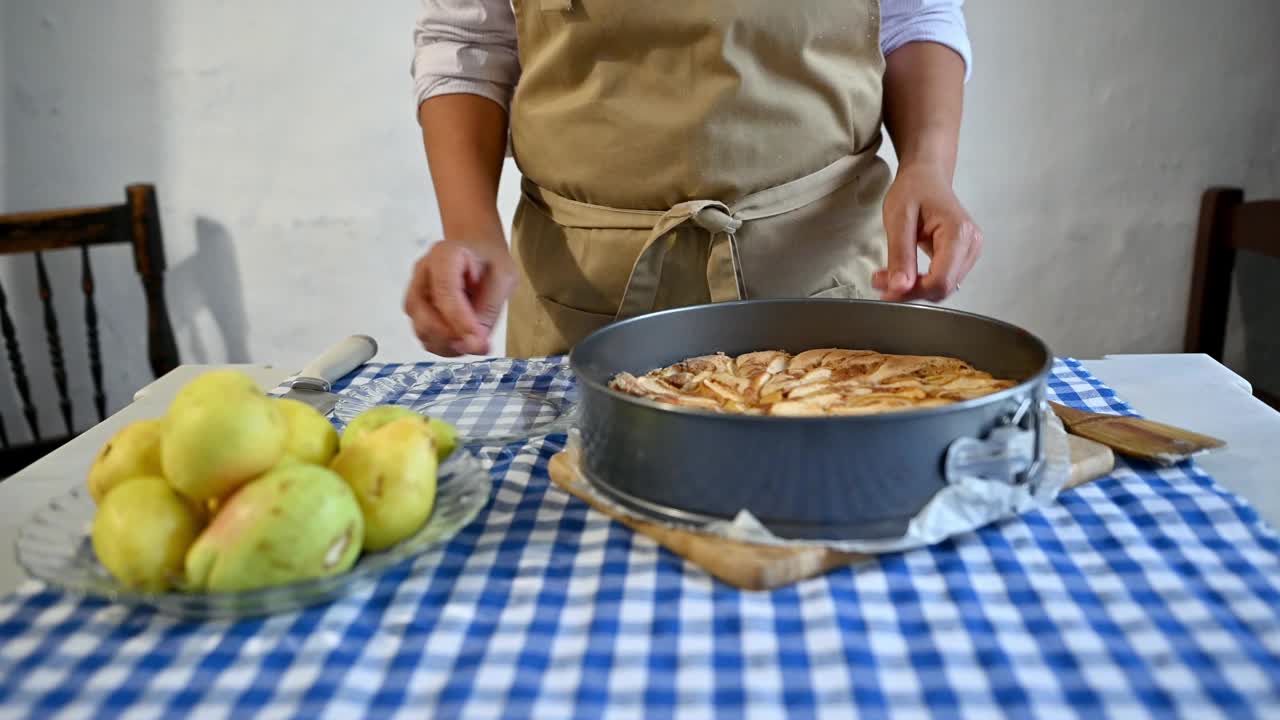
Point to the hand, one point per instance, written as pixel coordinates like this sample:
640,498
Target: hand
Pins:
456,293
921,210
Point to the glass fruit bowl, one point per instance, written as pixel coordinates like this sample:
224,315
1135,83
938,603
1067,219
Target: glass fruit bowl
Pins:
54,546
491,404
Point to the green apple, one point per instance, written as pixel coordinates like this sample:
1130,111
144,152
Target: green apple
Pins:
141,533
132,452
215,442
444,434
294,523
392,470
312,438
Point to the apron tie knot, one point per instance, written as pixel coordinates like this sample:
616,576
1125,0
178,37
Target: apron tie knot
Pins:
714,220
724,276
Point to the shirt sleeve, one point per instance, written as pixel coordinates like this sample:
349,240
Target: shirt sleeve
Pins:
469,46
465,46
940,21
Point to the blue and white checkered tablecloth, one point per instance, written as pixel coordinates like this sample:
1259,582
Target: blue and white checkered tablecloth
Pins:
1151,593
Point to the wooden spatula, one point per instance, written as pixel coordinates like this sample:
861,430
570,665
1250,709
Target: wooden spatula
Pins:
1135,437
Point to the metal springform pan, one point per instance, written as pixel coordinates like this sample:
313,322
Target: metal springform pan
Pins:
837,478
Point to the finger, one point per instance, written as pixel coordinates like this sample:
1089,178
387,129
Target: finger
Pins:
443,348
435,344
965,268
428,326
417,303
880,280
489,288
460,347
485,295
448,294
494,288
432,331
902,271
419,286
975,250
924,242
429,323
472,344
951,250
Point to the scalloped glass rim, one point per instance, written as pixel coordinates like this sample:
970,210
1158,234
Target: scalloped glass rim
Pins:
420,389
53,546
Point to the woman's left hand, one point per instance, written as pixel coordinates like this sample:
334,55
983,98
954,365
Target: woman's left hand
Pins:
922,211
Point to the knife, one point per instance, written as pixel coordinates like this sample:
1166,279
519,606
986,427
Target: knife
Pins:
1133,437
313,384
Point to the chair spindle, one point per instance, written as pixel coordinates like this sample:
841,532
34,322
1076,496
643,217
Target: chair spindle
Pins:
16,366
54,341
91,328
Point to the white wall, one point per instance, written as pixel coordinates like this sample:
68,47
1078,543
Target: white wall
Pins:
4,96
1091,129
295,197
283,143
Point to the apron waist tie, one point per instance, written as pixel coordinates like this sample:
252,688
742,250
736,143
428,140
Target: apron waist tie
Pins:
724,269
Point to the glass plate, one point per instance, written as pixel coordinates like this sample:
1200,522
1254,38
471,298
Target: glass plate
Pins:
488,404
54,546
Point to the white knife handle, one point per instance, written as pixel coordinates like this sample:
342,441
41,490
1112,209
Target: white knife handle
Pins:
336,362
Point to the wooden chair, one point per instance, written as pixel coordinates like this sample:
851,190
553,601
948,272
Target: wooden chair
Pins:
1228,225
135,222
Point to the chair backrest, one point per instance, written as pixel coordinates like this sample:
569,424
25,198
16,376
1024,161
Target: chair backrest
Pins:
1228,224
135,222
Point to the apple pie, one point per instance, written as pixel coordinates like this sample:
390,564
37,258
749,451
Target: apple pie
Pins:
814,382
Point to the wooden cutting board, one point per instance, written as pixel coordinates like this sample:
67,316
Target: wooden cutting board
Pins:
751,566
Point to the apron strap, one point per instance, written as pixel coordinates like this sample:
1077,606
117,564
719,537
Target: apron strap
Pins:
724,267
802,191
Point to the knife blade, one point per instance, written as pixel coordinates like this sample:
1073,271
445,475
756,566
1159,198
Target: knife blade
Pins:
313,384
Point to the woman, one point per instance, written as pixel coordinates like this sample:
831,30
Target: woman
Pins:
675,153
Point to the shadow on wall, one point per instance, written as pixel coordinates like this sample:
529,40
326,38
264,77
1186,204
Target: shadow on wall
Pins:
207,284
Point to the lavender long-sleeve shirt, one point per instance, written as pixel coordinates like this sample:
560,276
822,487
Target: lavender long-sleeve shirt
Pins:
469,46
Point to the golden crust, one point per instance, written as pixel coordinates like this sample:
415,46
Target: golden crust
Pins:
823,381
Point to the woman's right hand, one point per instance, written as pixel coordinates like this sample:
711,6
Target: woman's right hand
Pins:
458,288
456,293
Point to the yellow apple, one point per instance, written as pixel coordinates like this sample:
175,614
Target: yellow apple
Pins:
372,419
312,438
294,523
392,470
444,434
214,383
132,452
141,533
214,442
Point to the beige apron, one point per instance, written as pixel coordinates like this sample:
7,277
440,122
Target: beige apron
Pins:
678,152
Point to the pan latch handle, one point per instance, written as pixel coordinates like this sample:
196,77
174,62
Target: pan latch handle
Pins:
1010,452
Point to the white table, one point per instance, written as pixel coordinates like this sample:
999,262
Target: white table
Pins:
1192,391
